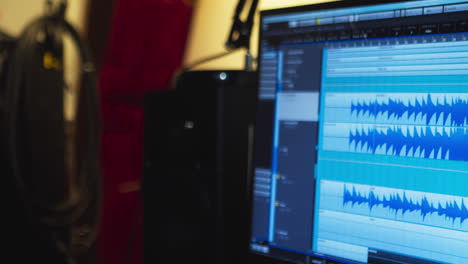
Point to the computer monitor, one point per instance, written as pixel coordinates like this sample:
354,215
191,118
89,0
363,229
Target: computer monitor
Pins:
361,143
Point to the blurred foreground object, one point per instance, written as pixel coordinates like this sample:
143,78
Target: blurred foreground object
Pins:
51,163
146,44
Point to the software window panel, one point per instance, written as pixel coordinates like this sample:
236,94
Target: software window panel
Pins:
369,141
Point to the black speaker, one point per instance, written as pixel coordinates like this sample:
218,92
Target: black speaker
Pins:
197,140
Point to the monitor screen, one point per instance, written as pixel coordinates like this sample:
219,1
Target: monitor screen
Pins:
361,143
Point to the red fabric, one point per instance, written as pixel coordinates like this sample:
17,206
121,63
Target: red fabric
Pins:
146,46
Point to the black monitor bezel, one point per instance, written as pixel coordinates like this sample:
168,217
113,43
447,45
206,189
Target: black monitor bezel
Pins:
257,258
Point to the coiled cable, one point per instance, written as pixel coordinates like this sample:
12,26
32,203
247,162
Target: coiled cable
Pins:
22,90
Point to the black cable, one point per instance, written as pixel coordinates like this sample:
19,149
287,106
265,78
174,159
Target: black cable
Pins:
21,81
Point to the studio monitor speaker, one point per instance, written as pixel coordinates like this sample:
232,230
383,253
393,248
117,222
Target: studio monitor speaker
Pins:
197,150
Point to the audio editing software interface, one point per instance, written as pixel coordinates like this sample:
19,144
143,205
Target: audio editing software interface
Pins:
361,151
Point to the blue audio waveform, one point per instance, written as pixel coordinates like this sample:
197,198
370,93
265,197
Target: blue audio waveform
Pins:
396,202
442,145
457,107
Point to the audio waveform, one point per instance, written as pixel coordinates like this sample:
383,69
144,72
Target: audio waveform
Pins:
412,141
449,111
400,203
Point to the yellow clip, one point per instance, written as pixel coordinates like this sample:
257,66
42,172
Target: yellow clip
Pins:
50,62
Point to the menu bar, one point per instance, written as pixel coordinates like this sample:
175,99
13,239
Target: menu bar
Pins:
316,19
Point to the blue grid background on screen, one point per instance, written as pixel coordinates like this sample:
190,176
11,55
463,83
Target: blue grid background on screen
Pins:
387,110
395,220
377,100
423,208
400,203
393,146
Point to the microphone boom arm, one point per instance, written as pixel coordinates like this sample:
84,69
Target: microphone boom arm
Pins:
239,36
